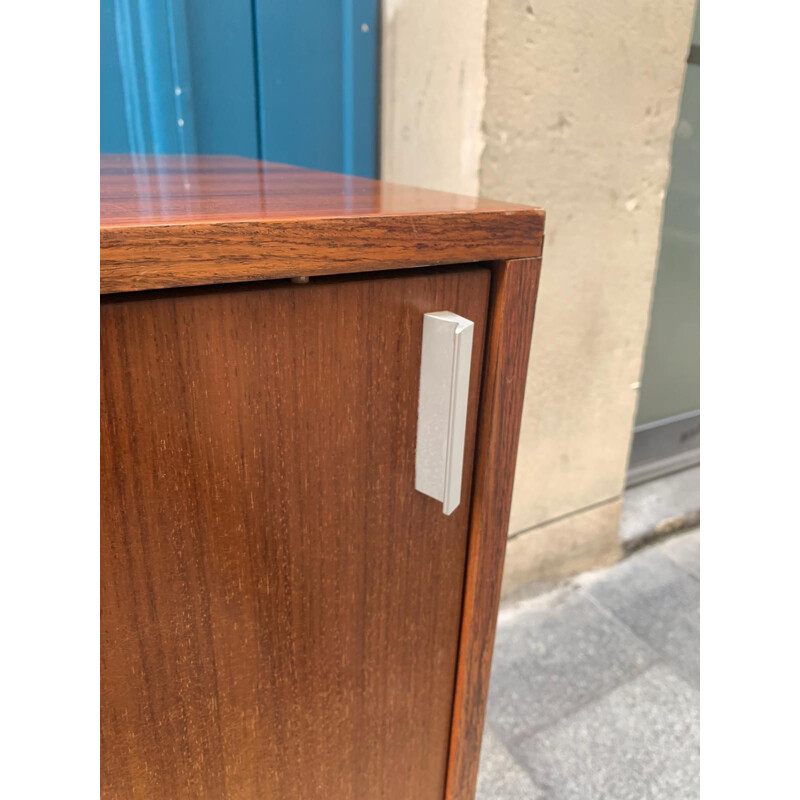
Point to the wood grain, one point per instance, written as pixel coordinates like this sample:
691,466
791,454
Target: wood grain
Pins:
280,609
172,221
145,190
514,288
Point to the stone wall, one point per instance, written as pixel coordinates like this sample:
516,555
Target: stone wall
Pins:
571,106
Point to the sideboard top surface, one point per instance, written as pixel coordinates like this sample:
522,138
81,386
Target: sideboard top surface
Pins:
191,220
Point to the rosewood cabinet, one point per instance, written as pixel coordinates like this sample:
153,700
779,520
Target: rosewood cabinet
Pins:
284,613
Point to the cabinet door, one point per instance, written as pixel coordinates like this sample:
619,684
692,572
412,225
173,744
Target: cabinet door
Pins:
280,607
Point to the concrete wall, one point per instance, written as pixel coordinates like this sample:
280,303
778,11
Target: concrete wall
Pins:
578,102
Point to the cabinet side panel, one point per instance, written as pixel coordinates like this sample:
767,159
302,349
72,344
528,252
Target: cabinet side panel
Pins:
514,288
280,608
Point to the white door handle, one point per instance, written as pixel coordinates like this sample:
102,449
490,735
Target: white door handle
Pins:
442,411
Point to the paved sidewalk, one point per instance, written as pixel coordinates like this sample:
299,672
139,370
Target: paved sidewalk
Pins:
595,686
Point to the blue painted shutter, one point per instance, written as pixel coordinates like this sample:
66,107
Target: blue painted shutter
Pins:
287,81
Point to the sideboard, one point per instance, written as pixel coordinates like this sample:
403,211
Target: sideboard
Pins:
310,401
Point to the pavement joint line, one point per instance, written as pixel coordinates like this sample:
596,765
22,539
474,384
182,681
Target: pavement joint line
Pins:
510,748
515,740
677,563
611,615
662,658
658,659
684,570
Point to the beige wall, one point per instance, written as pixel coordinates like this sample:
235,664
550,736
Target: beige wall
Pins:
577,104
433,93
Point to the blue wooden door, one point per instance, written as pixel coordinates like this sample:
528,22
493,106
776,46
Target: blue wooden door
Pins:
295,82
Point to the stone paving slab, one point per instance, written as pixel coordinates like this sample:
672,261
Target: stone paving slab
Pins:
640,741
500,775
659,601
594,689
552,657
685,552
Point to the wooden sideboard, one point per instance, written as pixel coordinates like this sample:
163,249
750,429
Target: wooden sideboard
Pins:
283,614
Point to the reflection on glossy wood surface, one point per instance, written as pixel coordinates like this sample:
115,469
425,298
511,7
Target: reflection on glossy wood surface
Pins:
280,608
183,221
170,190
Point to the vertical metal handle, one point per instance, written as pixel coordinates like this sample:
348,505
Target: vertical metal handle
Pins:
442,410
